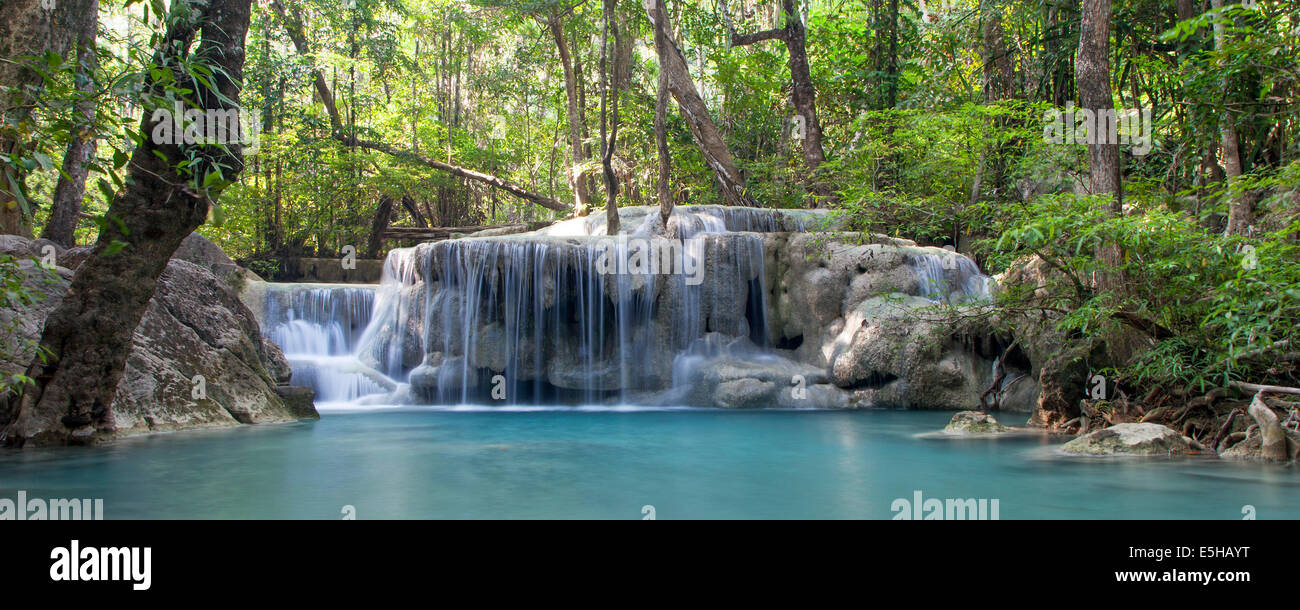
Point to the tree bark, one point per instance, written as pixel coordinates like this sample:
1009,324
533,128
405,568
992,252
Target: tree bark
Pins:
1241,206
696,113
891,68
383,214
1092,76
71,189
27,30
1092,73
663,191
414,211
803,94
608,103
577,177
999,75
88,336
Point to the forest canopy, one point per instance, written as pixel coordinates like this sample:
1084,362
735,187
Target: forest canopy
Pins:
1146,150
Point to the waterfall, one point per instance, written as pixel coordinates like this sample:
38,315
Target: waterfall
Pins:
564,315
574,320
318,327
950,278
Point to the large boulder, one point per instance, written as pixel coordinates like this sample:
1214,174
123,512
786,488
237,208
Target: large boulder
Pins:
734,374
199,250
198,358
849,302
1131,439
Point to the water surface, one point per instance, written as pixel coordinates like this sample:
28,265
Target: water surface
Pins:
567,463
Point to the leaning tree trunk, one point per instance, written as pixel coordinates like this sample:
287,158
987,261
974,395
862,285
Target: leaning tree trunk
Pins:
293,25
696,113
88,336
68,193
383,214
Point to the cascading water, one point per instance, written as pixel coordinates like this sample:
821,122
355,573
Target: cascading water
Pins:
569,315
318,327
950,278
565,315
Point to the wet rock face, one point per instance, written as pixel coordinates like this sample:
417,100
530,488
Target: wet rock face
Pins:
198,358
851,307
808,319
1130,439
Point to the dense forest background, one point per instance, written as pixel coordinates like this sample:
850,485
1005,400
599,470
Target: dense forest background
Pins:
929,121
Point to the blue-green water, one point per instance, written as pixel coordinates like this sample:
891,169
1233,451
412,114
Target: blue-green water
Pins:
609,464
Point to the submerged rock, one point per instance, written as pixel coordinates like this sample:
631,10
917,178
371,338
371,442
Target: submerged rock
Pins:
299,401
744,393
974,422
1130,439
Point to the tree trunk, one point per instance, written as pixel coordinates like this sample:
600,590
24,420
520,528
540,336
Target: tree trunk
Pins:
999,75
891,68
383,214
71,188
293,26
696,113
88,336
803,94
414,211
608,104
28,30
663,191
1092,76
577,178
1092,73
1241,206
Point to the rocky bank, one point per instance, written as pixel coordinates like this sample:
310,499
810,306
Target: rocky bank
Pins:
198,358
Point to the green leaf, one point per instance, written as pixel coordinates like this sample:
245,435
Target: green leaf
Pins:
114,247
105,189
43,160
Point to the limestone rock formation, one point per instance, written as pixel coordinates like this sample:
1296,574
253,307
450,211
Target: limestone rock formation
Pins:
974,422
198,357
1131,439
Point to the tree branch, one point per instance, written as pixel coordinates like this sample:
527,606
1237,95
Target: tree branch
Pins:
456,170
740,40
294,26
